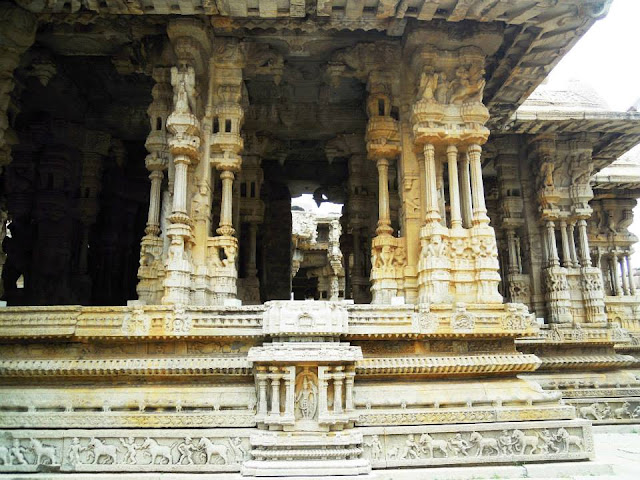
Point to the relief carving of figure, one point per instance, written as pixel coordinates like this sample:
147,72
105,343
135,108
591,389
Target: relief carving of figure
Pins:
410,449
376,447
73,456
130,450
468,85
183,81
186,449
428,86
307,397
459,445
566,439
17,452
546,172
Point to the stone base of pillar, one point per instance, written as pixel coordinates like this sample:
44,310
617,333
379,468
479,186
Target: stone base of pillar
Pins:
593,294
388,256
222,253
557,295
249,289
177,282
151,270
458,265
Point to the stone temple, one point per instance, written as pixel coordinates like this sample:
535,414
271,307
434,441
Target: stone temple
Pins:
166,311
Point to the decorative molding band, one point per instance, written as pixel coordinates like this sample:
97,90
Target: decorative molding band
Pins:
369,418
453,365
224,418
134,366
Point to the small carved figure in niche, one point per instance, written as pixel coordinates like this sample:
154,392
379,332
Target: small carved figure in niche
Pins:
506,443
239,453
410,449
469,85
186,449
17,452
183,81
75,449
442,90
131,450
5,456
307,397
459,445
376,447
548,442
546,172
428,85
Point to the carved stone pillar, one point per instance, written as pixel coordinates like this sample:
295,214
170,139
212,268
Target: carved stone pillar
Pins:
552,249
454,192
348,392
585,255
566,249
623,275
338,379
384,216
513,254
226,144
465,192
275,376
614,273
572,244
383,144
151,270
183,145
477,186
261,376
632,286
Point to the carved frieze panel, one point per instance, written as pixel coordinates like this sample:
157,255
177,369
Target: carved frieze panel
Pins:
123,450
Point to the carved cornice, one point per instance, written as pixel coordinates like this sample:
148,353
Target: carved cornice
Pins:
455,365
128,366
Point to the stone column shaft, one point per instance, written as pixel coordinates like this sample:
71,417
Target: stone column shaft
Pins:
384,215
288,396
566,250
226,208
338,378
431,190
454,192
572,245
322,396
632,287
465,192
180,184
253,232
348,393
275,393
511,245
623,276
552,250
613,262
477,187
262,394
153,219
585,256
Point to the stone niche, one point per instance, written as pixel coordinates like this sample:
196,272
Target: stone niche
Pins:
305,391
